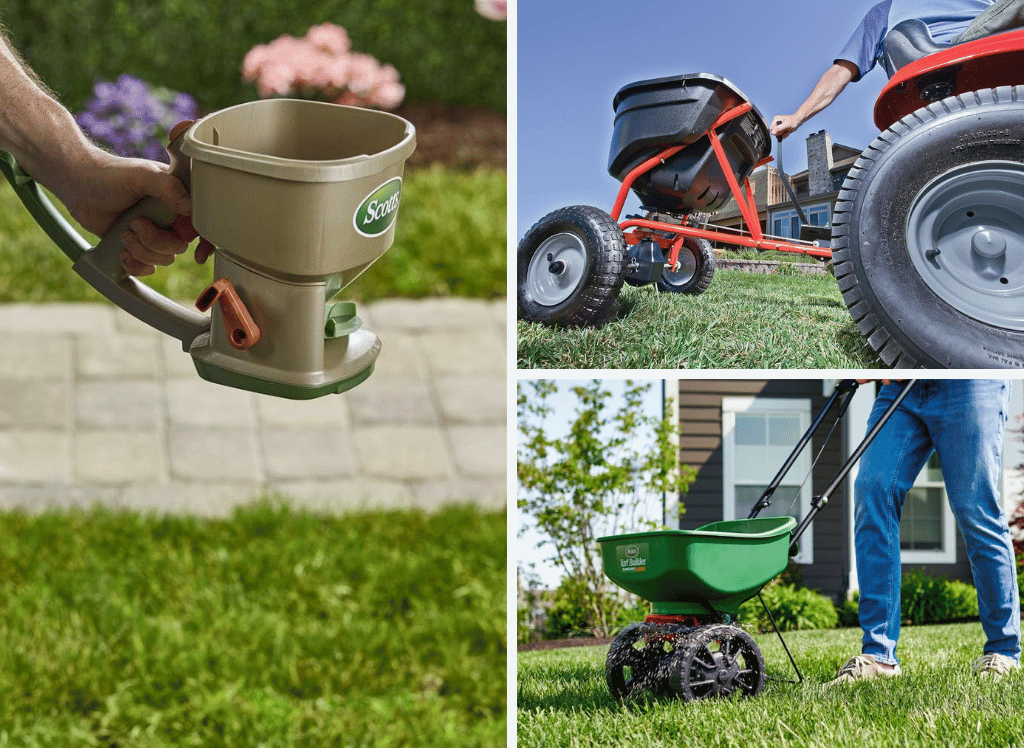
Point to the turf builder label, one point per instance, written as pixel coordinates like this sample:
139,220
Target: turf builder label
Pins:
633,557
379,209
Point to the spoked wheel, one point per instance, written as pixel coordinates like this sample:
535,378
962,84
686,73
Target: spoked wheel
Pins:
717,660
570,267
694,269
638,659
929,235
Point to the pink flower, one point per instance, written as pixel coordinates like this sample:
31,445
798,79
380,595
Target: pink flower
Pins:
494,10
329,38
254,60
389,95
275,79
321,65
338,72
362,73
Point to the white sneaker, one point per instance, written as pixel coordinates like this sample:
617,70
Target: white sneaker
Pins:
994,666
864,667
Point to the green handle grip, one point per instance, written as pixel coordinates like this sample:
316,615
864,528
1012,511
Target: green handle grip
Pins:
101,265
46,215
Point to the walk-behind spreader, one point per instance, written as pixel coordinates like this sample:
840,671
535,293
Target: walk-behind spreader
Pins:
691,645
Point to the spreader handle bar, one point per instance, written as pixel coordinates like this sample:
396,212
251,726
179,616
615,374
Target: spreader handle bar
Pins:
844,386
819,501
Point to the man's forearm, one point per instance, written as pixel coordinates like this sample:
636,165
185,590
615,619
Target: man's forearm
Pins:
34,127
829,86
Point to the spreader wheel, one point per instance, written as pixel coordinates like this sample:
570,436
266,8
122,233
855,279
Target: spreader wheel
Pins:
717,660
570,267
928,235
694,269
638,659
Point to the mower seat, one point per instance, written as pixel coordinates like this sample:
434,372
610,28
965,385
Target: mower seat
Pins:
906,42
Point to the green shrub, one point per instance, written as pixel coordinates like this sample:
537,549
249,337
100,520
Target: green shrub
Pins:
794,608
849,611
443,49
1020,575
928,599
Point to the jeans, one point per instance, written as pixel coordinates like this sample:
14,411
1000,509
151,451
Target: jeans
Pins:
961,419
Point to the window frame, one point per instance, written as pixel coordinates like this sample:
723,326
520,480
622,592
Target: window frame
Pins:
789,406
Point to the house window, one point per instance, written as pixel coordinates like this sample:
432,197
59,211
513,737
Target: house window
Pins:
786,223
758,435
927,530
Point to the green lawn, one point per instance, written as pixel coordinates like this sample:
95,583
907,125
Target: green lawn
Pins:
272,628
449,241
563,700
743,321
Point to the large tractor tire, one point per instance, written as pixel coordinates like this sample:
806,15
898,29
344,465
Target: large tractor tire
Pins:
928,235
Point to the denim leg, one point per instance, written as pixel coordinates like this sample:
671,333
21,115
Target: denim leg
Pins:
965,419
888,468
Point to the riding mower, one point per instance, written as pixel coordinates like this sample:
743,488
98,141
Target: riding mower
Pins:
927,237
928,232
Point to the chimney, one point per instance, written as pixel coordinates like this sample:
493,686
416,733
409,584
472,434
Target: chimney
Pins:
819,163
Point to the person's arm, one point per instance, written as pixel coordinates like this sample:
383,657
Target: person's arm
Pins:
95,186
824,93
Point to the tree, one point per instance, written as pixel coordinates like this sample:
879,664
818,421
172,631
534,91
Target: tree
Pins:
595,480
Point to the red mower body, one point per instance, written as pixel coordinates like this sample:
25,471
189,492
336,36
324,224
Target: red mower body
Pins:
984,63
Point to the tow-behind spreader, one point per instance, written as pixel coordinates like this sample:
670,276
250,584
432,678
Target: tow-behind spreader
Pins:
684,144
691,645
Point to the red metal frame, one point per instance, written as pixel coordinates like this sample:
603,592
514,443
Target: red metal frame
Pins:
744,197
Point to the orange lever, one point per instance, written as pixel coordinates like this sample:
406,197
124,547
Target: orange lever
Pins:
242,331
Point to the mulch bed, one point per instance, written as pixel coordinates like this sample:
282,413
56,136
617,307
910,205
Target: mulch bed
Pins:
460,137
582,641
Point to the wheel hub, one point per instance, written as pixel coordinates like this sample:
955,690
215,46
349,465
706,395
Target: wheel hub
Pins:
556,269
965,236
684,270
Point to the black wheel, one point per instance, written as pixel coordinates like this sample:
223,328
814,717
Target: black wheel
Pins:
694,270
638,659
570,267
717,660
928,235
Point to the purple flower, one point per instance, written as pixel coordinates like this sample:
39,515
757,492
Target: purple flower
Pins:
133,119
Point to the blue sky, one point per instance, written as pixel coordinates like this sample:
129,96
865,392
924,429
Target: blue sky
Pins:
573,56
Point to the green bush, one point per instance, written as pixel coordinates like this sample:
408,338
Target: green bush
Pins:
928,599
443,49
794,608
1020,575
849,611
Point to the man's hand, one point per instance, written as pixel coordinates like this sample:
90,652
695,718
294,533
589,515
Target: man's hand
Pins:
784,124
824,93
97,190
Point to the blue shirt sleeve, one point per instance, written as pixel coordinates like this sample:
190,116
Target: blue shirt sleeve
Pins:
864,47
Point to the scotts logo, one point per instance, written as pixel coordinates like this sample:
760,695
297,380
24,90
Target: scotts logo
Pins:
632,551
378,211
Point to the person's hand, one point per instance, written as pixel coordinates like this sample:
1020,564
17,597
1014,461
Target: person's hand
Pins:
784,124
97,190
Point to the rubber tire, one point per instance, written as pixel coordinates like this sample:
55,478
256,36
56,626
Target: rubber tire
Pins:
593,301
645,663
904,321
701,280
684,658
